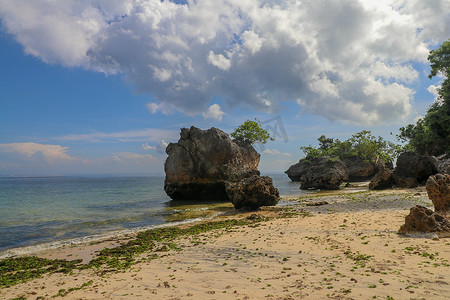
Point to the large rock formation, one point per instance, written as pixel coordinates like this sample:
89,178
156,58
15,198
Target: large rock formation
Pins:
201,164
438,189
252,192
359,169
413,169
422,219
382,180
320,173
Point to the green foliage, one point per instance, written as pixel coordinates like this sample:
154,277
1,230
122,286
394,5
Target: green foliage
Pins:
432,133
362,144
252,132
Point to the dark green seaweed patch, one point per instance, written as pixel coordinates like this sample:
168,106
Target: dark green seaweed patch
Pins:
156,240
22,269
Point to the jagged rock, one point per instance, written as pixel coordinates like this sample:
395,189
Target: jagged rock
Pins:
413,169
359,169
207,165
443,164
422,219
320,173
252,192
382,180
202,161
438,189
296,171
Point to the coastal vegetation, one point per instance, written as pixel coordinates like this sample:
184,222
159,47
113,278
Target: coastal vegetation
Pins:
252,132
431,134
362,144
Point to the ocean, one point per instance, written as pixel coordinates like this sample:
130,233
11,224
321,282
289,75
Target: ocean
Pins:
48,211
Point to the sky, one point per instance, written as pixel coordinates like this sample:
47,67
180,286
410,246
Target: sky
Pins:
102,86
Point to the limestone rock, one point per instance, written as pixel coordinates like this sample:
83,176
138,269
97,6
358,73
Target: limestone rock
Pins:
253,192
358,168
382,180
413,169
206,165
422,219
202,161
320,173
296,171
438,189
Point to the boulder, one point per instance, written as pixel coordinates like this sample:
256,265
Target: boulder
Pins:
382,180
359,169
206,165
438,189
252,192
422,219
319,173
414,169
202,161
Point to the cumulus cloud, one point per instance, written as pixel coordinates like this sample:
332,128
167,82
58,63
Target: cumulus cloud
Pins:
50,153
214,112
148,147
343,59
275,152
434,90
160,147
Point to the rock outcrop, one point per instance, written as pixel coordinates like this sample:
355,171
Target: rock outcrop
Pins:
252,192
443,164
359,169
201,164
422,219
413,169
382,180
320,173
438,189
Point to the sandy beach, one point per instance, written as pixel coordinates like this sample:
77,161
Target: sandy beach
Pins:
319,246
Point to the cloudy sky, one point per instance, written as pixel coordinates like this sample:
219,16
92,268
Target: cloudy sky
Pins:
101,86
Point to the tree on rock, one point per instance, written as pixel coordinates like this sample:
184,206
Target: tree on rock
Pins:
252,132
431,135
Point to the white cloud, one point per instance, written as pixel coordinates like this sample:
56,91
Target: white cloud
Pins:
347,60
160,147
275,152
214,112
49,153
219,61
139,135
433,89
147,147
133,158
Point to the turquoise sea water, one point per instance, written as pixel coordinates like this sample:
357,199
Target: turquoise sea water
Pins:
36,210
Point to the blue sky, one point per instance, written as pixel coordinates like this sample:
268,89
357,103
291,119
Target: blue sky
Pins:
92,87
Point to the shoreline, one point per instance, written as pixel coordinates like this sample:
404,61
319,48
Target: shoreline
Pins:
286,200
346,249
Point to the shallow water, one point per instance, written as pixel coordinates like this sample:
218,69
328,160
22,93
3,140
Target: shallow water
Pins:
35,210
